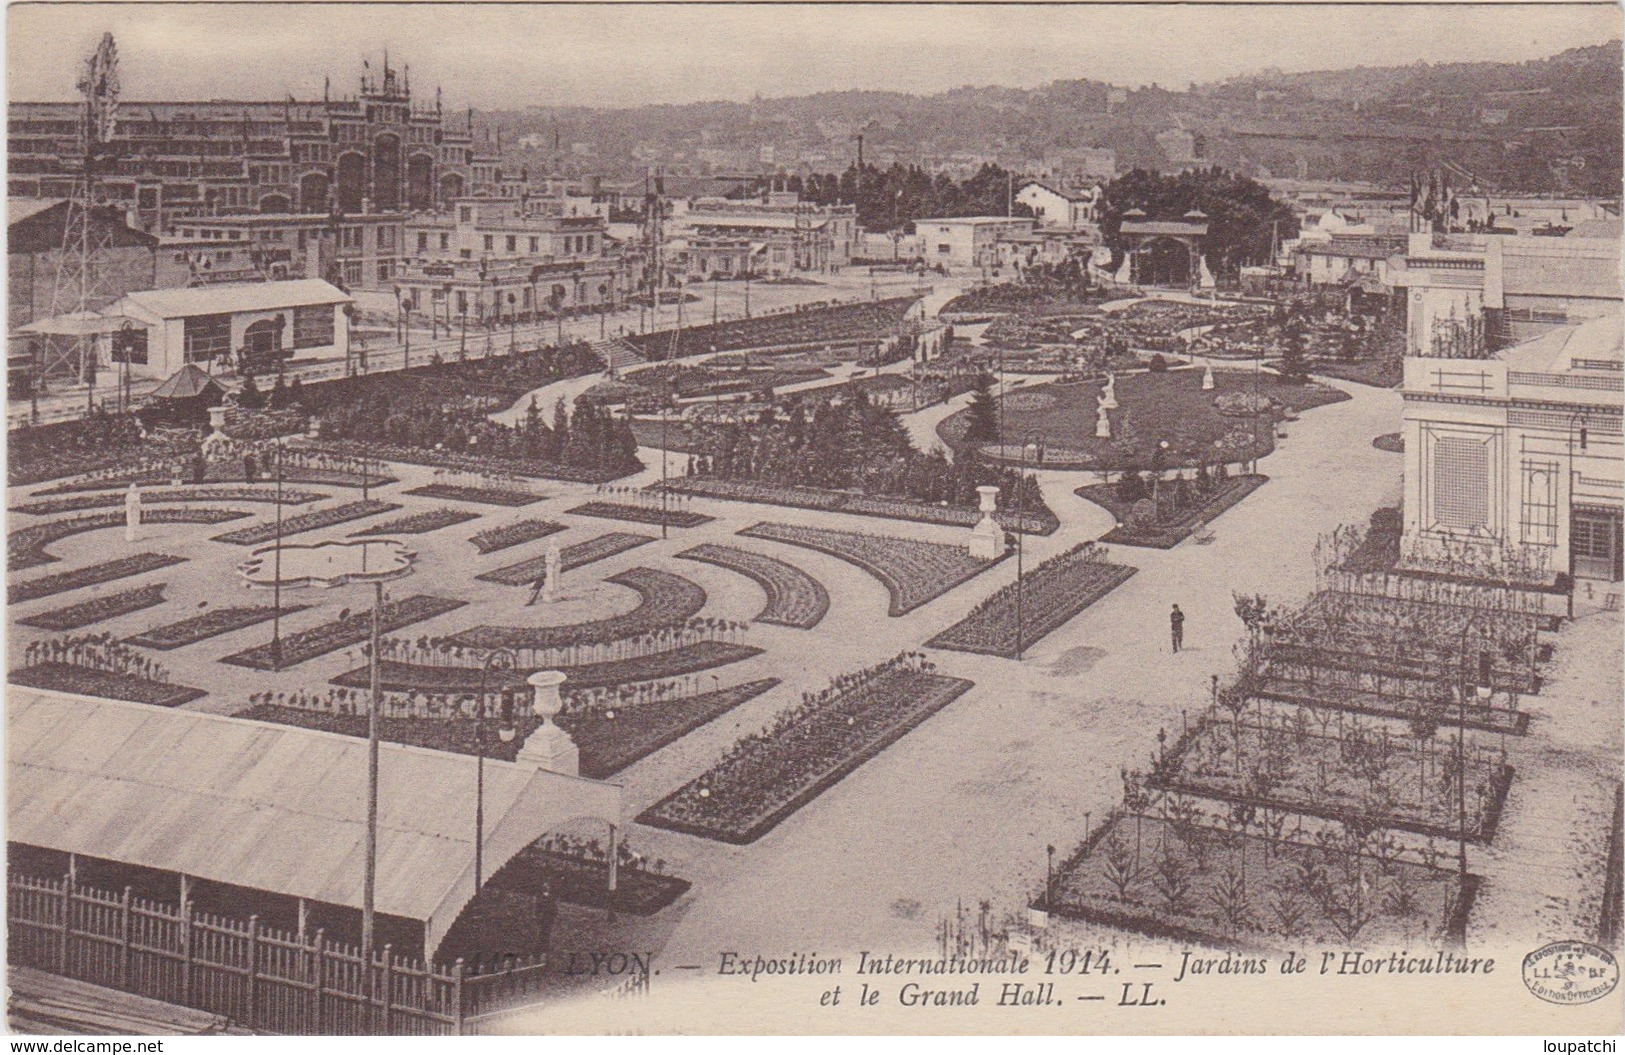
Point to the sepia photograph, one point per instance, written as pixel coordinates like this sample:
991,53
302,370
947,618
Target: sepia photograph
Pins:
567,470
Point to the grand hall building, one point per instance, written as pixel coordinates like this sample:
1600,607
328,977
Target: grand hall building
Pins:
374,152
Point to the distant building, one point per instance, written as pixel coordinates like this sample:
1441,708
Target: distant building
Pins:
1180,146
378,151
773,235
968,241
362,251
1059,209
215,326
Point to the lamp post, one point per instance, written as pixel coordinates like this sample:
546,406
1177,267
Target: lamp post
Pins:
716,294
276,587
497,659
462,336
513,322
665,414
1480,677
1036,439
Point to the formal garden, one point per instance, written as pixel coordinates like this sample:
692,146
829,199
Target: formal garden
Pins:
644,512
266,531
287,496
98,609
837,324
665,600
1048,596
25,546
765,777
209,624
913,572
514,533
89,575
98,665
346,631
420,523
1159,512
794,598
575,555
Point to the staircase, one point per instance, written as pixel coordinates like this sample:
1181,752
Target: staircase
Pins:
617,354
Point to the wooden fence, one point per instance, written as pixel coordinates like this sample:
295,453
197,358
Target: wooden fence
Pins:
258,977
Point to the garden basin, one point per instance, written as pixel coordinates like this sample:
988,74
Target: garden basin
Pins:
331,563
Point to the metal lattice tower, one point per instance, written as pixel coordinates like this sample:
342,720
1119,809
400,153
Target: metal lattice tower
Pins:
83,264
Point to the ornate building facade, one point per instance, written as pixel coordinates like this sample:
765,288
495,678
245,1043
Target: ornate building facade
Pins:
376,152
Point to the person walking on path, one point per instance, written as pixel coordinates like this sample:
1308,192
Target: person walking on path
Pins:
1176,624
537,587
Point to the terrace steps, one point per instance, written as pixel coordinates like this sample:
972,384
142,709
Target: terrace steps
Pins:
617,354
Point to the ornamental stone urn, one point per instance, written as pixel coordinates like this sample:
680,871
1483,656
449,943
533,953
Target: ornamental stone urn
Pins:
1103,424
987,538
549,747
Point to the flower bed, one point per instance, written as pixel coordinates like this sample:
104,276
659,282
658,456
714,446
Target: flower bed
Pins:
1392,442
1051,594
477,463
684,518
210,624
220,472
491,496
506,535
92,575
672,663
664,600
98,609
418,523
1348,772
859,505
914,572
582,881
767,776
1168,534
25,547
594,549
311,521
111,685
1189,881
162,495
1326,694
342,633
794,598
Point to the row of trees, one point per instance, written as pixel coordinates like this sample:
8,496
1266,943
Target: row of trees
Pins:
887,199
1243,218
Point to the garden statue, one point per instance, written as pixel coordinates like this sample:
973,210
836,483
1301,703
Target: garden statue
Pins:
217,438
1207,377
550,592
1108,395
132,513
986,538
1103,424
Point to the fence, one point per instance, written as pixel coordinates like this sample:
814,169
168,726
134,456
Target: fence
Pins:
258,977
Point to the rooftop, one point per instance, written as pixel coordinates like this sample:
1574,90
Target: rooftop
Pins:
230,297
1598,340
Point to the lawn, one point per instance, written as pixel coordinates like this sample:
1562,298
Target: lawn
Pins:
1153,408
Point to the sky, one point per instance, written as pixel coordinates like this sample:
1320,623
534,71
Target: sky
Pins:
502,56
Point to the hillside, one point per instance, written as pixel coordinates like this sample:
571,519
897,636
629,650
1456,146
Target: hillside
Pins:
1552,124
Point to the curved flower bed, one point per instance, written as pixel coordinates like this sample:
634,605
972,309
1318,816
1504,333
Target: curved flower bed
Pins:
673,663
210,624
594,549
506,535
162,495
316,518
1170,533
97,609
767,776
418,523
25,547
794,598
84,681
491,496
1031,523
1051,595
343,633
914,572
640,515
92,575
664,600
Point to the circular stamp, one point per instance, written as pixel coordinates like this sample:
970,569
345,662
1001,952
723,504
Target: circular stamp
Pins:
1570,972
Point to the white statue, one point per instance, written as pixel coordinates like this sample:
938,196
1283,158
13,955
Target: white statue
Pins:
1103,424
132,514
1207,377
1108,395
550,592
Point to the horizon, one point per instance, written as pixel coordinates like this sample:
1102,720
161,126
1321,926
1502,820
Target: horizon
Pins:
619,56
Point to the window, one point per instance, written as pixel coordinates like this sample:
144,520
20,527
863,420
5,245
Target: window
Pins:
130,346
313,326
1540,503
465,214
944,248
513,243
423,241
490,242
386,237
445,241
535,245
386,270
208,337
352,272
1461,483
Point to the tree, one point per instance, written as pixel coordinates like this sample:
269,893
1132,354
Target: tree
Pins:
983,413
249,397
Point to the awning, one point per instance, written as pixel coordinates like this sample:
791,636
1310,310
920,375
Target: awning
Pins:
187,383
76,324
272,807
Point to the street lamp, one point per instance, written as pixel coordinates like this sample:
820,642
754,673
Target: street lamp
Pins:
513,321
665,414
497,659
716,281
405,316
1036,439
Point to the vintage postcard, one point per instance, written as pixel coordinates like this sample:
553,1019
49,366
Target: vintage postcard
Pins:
814,519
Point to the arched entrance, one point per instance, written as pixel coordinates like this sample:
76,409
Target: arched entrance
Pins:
352,181
262,346
451,188
386,172
275,203
314,189
1164,261
420,182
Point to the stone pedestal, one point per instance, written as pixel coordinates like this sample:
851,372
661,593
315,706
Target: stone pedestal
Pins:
987,538
1103,424
1207,378
132,514
549,747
